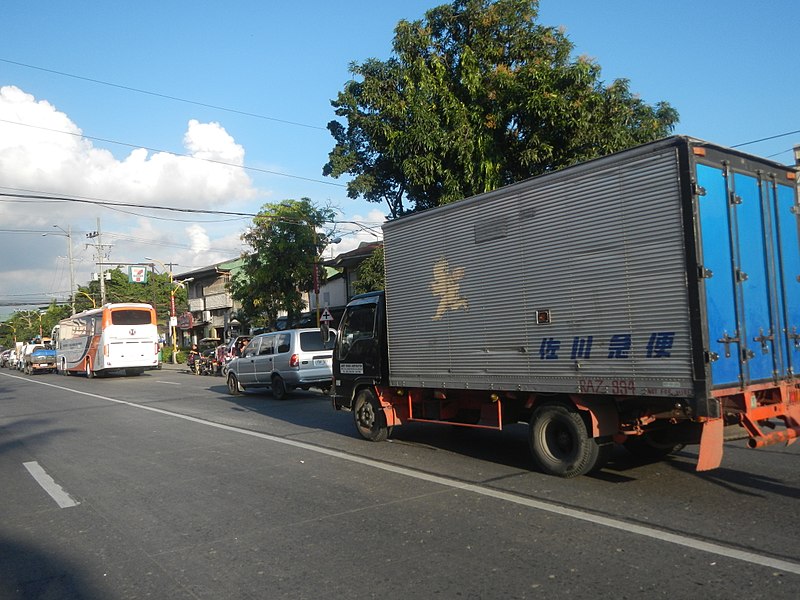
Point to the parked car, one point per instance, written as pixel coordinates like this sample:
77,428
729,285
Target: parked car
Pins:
4,357
283,361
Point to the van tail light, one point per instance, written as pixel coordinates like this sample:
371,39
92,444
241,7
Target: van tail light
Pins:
294,361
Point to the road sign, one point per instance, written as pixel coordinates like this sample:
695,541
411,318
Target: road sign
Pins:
326,316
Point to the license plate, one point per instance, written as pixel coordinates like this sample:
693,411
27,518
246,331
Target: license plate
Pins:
320,362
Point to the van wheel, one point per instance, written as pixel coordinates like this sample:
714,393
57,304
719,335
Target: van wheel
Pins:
279,390
560,443
233,385
369,417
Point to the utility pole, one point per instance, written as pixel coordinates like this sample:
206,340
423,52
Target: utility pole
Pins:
101,259
68,234
71,269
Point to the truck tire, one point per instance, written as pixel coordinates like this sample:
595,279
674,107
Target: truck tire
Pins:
90,374
369,417
560,443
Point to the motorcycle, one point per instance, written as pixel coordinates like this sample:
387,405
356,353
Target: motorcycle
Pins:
193,361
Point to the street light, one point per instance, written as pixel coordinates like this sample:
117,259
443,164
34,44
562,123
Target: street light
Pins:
94,304
68,234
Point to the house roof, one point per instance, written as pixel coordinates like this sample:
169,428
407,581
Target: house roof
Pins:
354,257
225,266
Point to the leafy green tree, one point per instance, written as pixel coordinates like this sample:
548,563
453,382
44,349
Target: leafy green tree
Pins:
156,292
285,243
478,95
26,325
370,273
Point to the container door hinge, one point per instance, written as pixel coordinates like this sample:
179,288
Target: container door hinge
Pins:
735,198
704,273
698,190
763,339
711,356
741,276
727,341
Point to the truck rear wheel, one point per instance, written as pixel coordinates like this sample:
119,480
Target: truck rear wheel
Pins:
560,443
369,418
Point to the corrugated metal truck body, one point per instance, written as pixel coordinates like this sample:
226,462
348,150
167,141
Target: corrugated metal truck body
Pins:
668,272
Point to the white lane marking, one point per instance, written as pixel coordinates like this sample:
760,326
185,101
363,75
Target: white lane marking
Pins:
649,532
168,382
57,493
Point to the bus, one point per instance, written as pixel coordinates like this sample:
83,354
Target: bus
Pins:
114,337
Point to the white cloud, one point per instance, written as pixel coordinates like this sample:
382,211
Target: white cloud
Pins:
42,150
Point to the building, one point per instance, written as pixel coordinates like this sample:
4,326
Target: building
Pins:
211,306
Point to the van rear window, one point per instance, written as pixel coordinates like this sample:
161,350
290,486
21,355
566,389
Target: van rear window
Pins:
130,317
311,341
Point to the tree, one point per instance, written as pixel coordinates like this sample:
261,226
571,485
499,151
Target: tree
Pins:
370,273
27,325
156,292
478,95
285,244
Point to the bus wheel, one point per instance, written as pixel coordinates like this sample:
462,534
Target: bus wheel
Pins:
560,443
369,417
89,373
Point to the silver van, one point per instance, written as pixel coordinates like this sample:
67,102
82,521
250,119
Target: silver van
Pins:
283,361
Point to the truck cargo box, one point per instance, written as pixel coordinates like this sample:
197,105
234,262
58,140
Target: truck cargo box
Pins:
668,270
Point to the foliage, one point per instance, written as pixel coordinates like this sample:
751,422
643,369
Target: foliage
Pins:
156,292
478,95
26,325
370,273
285,243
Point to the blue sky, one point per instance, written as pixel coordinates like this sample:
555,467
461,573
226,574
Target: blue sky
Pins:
728,67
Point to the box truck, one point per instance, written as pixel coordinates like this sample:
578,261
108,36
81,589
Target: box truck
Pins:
650,298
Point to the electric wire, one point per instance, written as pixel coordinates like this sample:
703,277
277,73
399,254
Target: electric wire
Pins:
165,96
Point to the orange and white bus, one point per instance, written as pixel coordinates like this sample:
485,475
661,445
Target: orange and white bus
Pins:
111,338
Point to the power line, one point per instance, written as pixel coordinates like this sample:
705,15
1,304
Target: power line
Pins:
165,96
149,149
37,197
772,137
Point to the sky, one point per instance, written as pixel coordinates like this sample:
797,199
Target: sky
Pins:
140,103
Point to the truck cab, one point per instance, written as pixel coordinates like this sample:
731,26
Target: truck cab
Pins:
360,358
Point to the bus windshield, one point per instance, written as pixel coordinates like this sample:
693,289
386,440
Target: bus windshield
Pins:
130,317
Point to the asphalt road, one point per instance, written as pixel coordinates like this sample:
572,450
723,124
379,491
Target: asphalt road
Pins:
164,486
